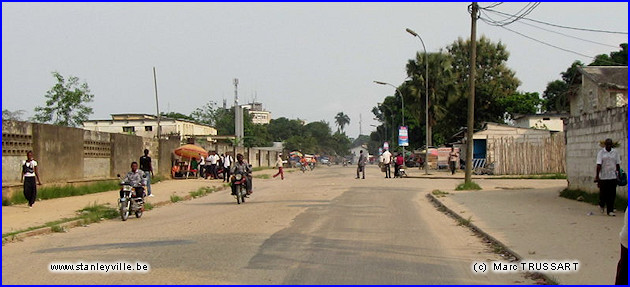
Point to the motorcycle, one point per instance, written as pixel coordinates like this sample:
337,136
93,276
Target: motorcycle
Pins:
239,180
130,202
401,172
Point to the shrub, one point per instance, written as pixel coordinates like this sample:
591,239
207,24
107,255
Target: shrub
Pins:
468,186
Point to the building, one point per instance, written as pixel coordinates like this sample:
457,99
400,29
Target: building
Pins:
146,126
259,115
515,150
598,111
549,121
603,87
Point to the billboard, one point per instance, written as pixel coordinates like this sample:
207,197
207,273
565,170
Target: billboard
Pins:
403,136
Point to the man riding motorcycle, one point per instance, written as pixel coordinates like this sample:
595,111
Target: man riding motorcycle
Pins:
241,166
136,178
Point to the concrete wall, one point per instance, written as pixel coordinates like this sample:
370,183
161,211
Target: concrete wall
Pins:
125,149
584,134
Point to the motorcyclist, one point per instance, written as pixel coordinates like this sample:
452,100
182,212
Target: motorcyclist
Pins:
137,179
241,166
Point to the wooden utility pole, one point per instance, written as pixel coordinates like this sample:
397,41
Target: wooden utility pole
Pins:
157,105
471,95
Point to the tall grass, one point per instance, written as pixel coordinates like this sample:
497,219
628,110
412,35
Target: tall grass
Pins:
51,192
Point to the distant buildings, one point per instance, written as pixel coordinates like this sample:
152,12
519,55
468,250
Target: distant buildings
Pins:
549,121
146,126
259,115
603,87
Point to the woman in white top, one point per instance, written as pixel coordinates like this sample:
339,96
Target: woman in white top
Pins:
29,174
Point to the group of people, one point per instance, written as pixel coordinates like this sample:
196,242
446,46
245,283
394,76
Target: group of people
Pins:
213,166
387,159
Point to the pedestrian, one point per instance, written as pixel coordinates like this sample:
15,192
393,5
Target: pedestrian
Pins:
387,160
361,164
227,166
453,158
608,161
147,168
28,176
214,161
279,164
622,265
202,166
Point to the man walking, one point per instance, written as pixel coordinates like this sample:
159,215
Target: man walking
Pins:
227,165
453,158
279,164
608,161
147,168
387,160
361,164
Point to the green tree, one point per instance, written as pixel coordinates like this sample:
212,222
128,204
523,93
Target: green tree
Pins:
207,114
12,115
556,95
66,103
520,103
442,87
494,82
282,128
342,120
617,58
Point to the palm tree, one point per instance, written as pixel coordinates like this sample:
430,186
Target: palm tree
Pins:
442,87
341,120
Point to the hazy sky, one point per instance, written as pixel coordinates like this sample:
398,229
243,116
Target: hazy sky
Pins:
301,60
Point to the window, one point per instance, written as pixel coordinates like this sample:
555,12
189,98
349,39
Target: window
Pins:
129,130
593,97
148,128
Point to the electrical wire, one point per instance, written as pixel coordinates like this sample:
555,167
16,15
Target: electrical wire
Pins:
556,25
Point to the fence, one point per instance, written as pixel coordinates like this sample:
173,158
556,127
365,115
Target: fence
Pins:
522,157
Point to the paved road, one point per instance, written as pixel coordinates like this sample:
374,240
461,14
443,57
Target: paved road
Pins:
321,227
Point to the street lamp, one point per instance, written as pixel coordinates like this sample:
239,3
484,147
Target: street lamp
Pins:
426,103
392,116
402,100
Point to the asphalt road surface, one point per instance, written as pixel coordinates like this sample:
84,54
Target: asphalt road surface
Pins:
318,227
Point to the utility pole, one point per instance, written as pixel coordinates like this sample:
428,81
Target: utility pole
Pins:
360,122
238,116
471,97
157,106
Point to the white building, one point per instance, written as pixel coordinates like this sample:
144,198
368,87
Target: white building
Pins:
146,126
259,115
550,122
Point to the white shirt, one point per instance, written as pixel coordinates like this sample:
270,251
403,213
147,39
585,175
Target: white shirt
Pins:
213,159
202,161
609,161
227,161
387,157
30,168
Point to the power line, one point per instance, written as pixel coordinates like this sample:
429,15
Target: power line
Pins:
556,25
560,48
511,18
551,31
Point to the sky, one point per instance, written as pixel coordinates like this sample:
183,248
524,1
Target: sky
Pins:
301,60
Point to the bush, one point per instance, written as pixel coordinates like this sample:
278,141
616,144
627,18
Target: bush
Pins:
468,186
175,198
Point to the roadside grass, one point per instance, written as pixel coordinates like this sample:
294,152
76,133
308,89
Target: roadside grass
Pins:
59,191
592,198
175,198
536,176
468,186
261,168
439,193
464,222
51,192
91,213
262,176
148,206
202,191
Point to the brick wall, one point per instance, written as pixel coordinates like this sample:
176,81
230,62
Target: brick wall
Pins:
584,134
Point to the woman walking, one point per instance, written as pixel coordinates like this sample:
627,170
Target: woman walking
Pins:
279,164
29,174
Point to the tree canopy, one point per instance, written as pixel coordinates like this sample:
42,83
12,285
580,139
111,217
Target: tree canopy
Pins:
66,103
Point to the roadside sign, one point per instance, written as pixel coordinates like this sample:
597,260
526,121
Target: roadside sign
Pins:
403,136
